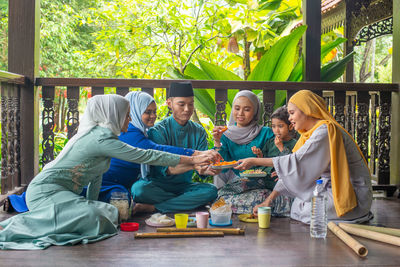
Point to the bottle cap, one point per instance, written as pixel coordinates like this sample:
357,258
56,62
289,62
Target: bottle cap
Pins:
129,227
319,181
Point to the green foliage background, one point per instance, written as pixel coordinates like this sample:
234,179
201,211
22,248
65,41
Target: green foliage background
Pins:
197,39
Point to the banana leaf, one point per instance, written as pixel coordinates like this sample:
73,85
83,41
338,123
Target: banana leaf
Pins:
204,100
277,63
297,72
334,70
329,72
325,49
218,73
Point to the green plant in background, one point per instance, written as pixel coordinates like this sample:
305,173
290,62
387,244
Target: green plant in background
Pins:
277,64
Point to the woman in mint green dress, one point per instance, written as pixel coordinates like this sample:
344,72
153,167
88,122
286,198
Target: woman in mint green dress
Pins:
57,214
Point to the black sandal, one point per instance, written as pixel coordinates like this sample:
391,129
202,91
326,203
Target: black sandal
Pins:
7,207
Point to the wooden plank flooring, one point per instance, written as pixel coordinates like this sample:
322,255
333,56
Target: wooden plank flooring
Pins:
286,243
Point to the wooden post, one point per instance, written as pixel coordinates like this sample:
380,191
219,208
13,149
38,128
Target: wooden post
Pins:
312,40
23,58
348,47
395,130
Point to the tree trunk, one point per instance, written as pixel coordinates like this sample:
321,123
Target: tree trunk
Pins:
365,72
246,57
373,46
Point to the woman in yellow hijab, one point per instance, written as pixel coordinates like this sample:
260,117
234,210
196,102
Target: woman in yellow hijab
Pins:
325,150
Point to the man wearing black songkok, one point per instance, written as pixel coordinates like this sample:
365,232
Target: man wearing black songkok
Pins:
168,192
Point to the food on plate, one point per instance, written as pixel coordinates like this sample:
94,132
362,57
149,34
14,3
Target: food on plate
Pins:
256,171
224,163
251,216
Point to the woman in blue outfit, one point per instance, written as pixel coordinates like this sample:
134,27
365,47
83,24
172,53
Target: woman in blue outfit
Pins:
57,214
122,174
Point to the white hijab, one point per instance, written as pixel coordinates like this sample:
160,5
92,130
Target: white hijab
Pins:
108,111
244,135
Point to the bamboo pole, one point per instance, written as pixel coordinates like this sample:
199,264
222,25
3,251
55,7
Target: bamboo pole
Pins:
383,230
394,240
358,248
179,234
227,231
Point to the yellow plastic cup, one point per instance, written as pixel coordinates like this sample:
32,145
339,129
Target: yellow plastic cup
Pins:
264,217
181,220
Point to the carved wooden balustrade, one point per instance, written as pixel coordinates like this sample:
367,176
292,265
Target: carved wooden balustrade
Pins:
363,109
10,84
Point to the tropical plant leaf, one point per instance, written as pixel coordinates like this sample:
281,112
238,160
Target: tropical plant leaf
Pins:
325,49
277,63
217,73
334,70
269,4
196,73
297,72
205,102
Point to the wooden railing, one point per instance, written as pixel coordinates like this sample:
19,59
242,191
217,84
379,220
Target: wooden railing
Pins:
10,84
363,109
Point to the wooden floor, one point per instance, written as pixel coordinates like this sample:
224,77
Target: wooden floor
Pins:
285,243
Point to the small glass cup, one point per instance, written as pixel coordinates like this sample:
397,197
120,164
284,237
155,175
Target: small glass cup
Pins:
120,200
202,219
181,220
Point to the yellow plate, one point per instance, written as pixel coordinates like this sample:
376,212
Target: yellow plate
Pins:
245,218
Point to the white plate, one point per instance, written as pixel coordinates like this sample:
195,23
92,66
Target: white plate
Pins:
224,166
253,175
148,222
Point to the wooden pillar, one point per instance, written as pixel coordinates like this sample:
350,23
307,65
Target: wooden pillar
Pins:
23,58
395,130
348,48
312,40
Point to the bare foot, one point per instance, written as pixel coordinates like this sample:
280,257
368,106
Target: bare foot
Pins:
1,228
141,207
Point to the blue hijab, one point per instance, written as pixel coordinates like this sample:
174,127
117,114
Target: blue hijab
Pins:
139,101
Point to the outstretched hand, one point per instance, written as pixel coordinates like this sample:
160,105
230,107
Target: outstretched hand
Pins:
206,170
245,164
266,203
202,159
216,157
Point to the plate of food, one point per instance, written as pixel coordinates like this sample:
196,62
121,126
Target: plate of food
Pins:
253,173
224,165
160,220
248,218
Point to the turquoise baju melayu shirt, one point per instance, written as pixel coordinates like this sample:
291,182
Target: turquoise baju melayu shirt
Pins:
171,193
57,214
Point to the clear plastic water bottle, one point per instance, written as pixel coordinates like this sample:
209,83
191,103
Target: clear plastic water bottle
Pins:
319,222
